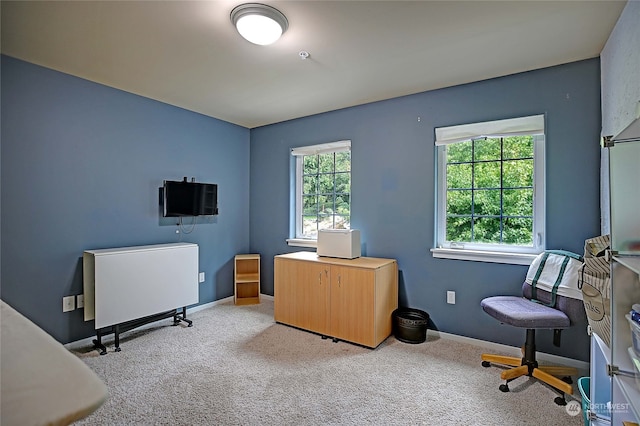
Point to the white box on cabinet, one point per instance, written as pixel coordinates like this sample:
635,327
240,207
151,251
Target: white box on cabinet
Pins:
343,243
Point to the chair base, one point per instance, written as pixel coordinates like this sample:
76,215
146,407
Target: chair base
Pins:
544,373
528,366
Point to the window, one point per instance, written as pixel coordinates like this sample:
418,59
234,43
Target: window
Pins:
490,191
322,189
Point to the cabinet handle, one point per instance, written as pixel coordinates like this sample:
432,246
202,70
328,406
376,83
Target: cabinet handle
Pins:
338,280
320,278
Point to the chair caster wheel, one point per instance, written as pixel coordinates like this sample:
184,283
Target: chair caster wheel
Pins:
567,379
559,400
486,364
504,388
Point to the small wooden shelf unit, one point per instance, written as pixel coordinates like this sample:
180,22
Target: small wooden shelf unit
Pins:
246,279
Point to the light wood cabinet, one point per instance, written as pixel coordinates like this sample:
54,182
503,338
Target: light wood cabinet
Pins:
346,299
246,269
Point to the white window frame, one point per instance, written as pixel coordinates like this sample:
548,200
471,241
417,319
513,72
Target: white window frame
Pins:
497,253
331,147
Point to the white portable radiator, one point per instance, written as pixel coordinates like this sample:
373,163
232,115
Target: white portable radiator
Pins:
128,283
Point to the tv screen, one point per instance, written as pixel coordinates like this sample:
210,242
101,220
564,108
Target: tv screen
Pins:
182,198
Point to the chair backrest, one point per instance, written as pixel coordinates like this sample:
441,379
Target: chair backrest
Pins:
552,280
572,308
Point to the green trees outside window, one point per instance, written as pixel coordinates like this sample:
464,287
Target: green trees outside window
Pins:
326,192
489,192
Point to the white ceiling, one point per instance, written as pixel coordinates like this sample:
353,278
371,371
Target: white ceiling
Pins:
187,53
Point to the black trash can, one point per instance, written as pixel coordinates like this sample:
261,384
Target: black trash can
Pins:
410,325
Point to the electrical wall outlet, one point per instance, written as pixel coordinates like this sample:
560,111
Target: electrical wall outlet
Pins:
68,303
201,277
451,297
80,301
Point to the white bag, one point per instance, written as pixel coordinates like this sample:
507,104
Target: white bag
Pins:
556,271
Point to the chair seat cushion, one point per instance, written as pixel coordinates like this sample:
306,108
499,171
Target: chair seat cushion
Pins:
520,312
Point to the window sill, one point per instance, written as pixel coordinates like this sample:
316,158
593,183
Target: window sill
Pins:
484,256
302,242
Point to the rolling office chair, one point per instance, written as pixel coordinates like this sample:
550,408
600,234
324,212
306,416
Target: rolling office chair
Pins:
538,309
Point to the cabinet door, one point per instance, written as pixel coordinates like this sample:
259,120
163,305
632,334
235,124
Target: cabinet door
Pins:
283,290
301,294
352,304
314,298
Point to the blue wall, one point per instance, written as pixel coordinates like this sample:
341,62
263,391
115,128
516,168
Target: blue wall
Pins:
81,165
393,187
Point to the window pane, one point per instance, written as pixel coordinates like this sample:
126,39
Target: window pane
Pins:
310,226
486,202
325,204
486,149
343,181
342,222
459,152
342,204
325,184
459,176
487,230
326,163
518,173
310,164
458,228
343,161
518,147
325,222
518,202
487,175
309,205
459,202
518,231
310,184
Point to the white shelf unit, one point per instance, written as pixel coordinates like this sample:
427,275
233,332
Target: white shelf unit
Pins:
612,373
625,292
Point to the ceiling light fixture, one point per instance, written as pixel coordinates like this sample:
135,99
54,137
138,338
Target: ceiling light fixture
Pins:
259,23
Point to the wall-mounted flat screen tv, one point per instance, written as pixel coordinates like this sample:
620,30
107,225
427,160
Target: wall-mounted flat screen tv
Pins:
182,198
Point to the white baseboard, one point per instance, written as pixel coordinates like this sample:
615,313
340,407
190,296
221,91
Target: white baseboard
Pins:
582,366
210,304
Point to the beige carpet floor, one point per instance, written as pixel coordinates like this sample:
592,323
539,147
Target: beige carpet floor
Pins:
236,366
